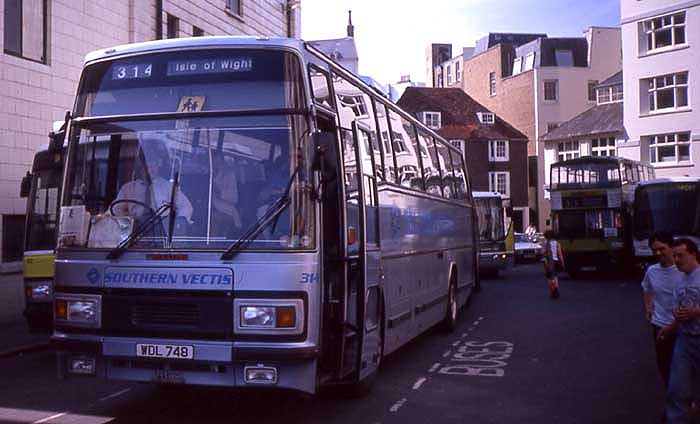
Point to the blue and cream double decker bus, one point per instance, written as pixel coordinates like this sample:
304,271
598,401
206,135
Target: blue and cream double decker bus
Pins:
245,212
665,204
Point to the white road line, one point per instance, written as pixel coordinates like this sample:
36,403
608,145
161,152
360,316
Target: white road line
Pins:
455,344
480,318
395,407
464,335
434,367
52,417
113,395
476,323
418,383
446,354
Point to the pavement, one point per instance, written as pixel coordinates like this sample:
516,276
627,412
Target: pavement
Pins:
15,337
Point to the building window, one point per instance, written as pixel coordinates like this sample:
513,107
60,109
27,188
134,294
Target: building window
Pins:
492,83
668,91
356,103
498,150
432,120
568,150
564,57
664,31
551,90
448,73
611,94
25,29
517,65
173,26
458,143
592,90
529,61
234,7
486,117
500,182
458,72
551,126
669,148
197,31
604,146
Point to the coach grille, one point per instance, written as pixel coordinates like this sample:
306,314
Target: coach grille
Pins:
166,314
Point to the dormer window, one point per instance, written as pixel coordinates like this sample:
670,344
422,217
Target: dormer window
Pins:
487,118
432,120
564,57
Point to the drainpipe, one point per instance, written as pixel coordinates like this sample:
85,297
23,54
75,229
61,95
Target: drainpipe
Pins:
159,19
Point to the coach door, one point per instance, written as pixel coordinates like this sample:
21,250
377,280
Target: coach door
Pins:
362,329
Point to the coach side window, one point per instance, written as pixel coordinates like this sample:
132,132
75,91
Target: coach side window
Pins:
403,137
432,165
385,137
463,184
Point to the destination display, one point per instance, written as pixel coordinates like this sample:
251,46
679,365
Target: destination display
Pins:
210,66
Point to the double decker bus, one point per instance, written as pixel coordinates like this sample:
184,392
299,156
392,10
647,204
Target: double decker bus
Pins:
41,187
246,212
665,204
591,202
496,245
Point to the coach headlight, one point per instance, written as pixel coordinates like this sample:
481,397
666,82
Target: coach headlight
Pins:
257,316
78,310
268,316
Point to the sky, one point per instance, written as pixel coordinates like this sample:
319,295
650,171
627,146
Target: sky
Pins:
392,35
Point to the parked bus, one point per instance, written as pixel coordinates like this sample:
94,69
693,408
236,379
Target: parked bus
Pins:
41,187
246,212
496,249
665,204
591,201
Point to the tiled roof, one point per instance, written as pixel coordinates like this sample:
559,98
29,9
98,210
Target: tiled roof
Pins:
613,80
458,113
600,119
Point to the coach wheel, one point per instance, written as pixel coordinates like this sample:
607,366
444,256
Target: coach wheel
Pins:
450,322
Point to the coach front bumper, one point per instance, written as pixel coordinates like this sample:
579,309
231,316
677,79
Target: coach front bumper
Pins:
213,363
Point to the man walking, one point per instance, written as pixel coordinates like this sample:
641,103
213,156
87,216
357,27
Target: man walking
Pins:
659,283
685,365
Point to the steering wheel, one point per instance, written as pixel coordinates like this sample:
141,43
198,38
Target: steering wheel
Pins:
134,201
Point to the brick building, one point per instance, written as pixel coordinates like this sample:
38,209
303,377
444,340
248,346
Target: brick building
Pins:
44,43
535,82
495,152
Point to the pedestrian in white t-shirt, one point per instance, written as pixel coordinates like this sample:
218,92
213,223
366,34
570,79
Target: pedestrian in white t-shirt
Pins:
658,284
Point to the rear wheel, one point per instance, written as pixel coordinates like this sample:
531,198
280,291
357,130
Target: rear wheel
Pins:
450,321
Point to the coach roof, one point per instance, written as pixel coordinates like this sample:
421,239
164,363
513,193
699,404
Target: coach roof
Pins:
178,43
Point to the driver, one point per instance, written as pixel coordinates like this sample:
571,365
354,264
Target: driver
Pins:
152,189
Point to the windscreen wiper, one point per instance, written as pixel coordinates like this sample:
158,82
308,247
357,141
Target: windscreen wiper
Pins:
141,230
173,211
270,216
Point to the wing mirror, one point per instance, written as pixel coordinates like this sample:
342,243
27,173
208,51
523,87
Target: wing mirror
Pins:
25,185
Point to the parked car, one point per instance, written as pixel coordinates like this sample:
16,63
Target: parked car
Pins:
526,248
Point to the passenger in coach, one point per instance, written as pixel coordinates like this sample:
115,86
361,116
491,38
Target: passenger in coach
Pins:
226,213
